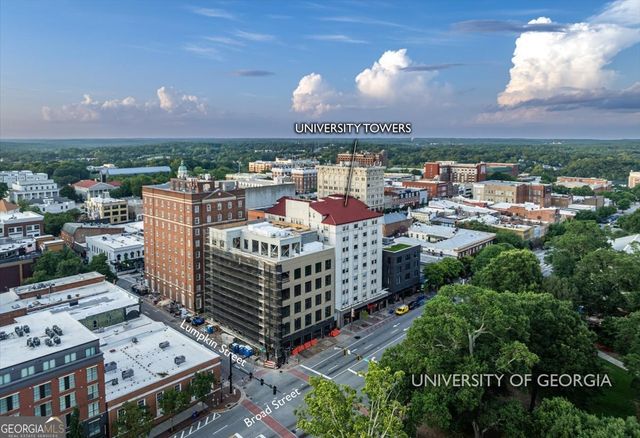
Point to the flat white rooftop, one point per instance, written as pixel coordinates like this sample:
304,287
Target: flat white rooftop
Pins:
116,241
44,285
14,350
149,362
434,230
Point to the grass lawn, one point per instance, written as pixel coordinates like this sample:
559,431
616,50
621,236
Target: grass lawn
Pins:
617,400
397,247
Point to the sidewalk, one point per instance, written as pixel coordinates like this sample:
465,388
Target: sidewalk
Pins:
612,360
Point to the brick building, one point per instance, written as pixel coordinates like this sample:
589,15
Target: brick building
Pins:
364,159
596,184
453,172
74,234
435,189
48,366
17,225
176,216
305,179
514,192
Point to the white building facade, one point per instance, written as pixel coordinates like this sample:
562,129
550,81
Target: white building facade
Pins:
367,183
355,232
26,185
124,252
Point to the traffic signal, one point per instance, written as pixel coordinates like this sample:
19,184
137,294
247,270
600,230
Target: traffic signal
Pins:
274,390
250,375
344,351
261,382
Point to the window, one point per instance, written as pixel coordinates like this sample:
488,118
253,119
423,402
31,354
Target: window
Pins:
48,364
91,351
28,371
286,294
92,391
297,307
318,283
10,403
5,378
43,410
67,401
69,357
307,270
318,267
298,324
67,382
141,403
41,391
297,290
307,286
92,374
318,315
327,295
286,311
327,280
307,304
286,328
297,273
307,320
327,312
94,426
318,299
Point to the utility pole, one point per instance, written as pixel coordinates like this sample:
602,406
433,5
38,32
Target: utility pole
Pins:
230,375
348,188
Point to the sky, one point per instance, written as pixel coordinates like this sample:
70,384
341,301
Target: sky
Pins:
117,69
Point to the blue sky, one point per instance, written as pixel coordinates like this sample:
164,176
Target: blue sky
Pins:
72,69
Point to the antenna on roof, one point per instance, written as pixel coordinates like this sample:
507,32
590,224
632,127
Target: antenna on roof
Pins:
348,188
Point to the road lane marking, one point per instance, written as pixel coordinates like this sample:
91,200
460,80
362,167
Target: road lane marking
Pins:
354,372
396,325
404,330
316,372
393,331
368,346
354,349
332,368
223,427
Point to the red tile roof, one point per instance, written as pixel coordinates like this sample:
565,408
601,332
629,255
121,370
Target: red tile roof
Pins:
85,183
6,206
332,209
335,213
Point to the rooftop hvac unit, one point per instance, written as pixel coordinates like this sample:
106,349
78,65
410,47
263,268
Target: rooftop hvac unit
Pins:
19,331
49,342
114,382
56,340
110,366
163,344
57,330
179,359
3,336
26,329
126,374
36,342
30,343
49,332
68,297
134,340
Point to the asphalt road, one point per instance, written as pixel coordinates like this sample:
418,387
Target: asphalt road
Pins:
293,381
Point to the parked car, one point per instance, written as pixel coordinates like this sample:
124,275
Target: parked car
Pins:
413,304
402,310
197,320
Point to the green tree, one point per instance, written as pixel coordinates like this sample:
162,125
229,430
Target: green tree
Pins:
516,270
100,264
53,222
483,258
561,288
623,204
463,330
52,265
557,417
69,192
4,190
606,279
333,410
579,239
630,222
173,402
75,428
442,272
624,334
572,350
201,385
582,191
133,421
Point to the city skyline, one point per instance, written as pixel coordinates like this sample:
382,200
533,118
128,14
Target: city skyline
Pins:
243,69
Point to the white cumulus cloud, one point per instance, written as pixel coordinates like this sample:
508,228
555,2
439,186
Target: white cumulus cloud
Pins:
313,95
388,80
571,61
169,103
392,79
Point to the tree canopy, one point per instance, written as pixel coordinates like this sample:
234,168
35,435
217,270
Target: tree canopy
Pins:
515,270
